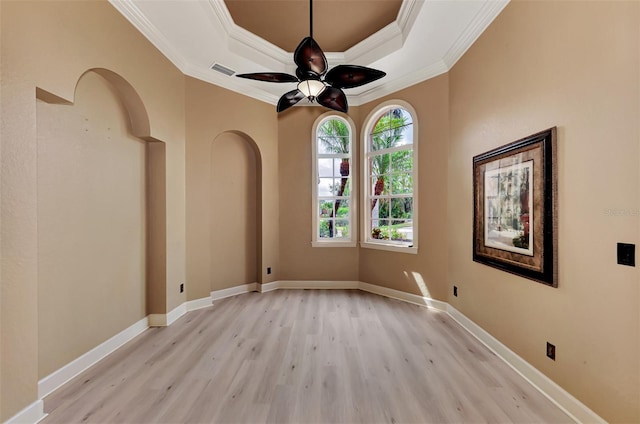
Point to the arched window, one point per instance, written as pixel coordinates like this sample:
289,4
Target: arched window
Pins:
333,176
390,198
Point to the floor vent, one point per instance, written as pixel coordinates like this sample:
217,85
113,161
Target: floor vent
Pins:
223,69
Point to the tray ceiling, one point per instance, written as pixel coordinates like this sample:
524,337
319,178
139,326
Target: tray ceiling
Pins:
411,40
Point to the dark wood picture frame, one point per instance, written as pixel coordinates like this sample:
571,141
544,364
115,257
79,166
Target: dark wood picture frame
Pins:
515,208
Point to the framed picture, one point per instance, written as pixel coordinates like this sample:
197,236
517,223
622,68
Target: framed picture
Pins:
515,208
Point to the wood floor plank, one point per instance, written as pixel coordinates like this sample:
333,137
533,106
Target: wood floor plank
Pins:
303,356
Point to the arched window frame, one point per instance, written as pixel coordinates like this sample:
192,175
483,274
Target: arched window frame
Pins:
351,240
366,239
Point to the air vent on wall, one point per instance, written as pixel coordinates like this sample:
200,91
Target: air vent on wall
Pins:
223,69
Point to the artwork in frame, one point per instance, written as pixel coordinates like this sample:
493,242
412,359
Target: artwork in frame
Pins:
515,208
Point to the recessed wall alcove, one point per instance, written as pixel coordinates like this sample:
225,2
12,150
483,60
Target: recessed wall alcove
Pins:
235,200
101,217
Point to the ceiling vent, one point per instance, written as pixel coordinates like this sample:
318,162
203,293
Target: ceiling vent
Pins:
223,69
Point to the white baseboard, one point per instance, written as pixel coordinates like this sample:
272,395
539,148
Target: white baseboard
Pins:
309,285
578,411
267,287
31,414
165,320
78,365
205,302
404,296
176,313
233,291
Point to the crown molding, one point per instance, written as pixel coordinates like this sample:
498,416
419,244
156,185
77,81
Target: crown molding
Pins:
382,43
135,16
489,11
398,84
387,40
243,42
221,16
407,15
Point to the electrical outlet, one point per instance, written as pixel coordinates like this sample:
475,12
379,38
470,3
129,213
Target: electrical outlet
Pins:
455,291
181,287
627,254
268,270
551,351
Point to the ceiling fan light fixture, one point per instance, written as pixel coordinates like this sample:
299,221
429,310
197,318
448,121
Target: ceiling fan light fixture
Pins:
314,82
311,88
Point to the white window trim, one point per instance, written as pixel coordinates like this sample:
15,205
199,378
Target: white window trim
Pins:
365,240
353,171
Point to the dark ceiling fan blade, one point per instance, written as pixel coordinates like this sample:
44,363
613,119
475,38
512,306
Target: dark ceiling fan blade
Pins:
349,76
269,77
289,99
333,98
310,58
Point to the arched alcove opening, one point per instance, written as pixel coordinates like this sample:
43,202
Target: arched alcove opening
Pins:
235,204
99,242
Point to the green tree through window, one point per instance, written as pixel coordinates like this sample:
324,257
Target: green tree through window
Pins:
390,173
334,180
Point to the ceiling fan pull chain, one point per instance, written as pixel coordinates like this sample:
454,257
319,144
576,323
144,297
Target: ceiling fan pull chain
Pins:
311,18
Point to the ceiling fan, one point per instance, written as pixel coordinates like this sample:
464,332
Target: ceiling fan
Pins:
314,82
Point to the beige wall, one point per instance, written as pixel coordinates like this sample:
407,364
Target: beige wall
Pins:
301,261
425,273
574,65
46,47
209,122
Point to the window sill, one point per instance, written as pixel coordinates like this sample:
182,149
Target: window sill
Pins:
390,247
334,243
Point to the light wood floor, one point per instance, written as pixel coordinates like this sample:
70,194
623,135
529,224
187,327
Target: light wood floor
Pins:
303,356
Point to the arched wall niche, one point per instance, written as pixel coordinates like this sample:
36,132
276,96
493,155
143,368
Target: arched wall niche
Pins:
235,205
144,168
138,117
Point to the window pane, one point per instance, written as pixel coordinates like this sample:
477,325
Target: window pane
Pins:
328,187
333,137
401,183
380,229
341,187
379,164
381,140
379,185
325,187
402,231
341,167
328,145
347,187
325,228
380,208
325,167
326,208
401,208
342,228
406,116
404,136
402,160
394,128
343,208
